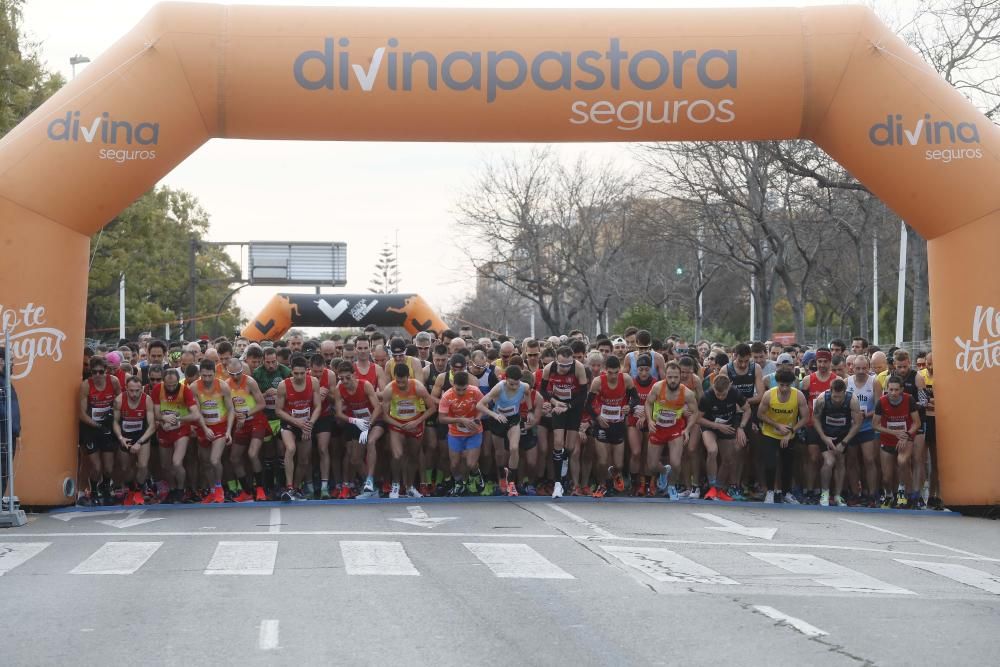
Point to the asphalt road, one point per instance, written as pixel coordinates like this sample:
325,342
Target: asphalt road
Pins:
464,582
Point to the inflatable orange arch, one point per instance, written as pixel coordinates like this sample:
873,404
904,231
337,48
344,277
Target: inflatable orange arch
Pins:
191,72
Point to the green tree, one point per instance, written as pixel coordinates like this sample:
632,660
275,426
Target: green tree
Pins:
150,243
24,82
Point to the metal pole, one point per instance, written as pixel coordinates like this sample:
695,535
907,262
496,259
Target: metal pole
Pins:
166,332
532,322
875,289
121,307
189,333
901,284
753,306
8,423
607,327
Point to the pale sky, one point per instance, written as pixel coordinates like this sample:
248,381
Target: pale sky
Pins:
359,193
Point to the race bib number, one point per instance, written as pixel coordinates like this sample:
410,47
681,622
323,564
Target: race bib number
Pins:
466,429
666,418
508,410
210,410
722,420
562,392
406,409
896,424
99,414
300,413
611,413
362,413
132,425
838,422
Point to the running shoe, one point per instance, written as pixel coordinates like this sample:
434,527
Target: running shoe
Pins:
394,491
769,498
129,499
663,481
503,486
639,490
458,490
345,493
512,490
901,499
711,494
530,490
600,491
920,504
839,501
684,493
581,491
243,497
324,492
672,492
489,488
695,493
735,494
386,487
935,503
616,479
259,495
790,499
824,499
413,493
287,495
557,490
720,494
208,498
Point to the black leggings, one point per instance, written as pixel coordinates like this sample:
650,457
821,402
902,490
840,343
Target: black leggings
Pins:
769,451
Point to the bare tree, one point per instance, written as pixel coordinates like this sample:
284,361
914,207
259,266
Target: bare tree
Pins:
550,234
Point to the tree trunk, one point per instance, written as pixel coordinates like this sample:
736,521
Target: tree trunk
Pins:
918,260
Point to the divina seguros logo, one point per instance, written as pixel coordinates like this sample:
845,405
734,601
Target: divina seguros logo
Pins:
493,73
104,129
945,141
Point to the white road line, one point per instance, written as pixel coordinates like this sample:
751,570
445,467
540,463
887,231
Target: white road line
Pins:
785,545
267,640
797,623
960,573
243,558
258,533
377,558
13,554
917,539
583,522
117,558
275,520
830,574
516,561
667,566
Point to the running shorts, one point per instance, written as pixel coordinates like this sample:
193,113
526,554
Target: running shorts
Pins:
614,434
419,433
500,429
463,443
662,436
218,431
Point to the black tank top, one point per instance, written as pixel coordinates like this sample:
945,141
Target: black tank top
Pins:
836,418
746,383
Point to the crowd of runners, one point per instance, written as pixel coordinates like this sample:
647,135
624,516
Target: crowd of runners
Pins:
446,414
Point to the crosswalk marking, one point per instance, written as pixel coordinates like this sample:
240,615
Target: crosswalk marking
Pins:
377,558
515,561
666,566
830,574
13,554
254,558
960,573
117,558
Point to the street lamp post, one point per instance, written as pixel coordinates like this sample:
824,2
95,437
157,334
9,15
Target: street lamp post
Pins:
77,60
